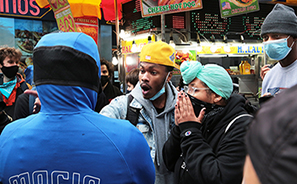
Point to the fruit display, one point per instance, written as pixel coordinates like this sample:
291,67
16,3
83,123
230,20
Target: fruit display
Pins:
182,56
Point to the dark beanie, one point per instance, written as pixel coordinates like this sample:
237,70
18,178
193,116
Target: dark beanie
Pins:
272,139
282,19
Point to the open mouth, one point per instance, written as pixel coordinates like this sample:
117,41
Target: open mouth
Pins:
145,88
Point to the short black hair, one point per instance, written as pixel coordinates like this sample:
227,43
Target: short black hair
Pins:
108,65
133,76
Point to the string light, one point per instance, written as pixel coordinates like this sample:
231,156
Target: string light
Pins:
134,46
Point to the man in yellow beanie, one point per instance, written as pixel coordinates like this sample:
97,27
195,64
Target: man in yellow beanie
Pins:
150,105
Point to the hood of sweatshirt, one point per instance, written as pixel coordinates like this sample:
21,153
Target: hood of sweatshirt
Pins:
66,72
161,123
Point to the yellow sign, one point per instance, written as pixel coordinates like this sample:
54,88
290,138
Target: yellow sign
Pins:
240,49
139,43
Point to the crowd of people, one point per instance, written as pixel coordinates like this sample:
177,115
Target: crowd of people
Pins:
79,127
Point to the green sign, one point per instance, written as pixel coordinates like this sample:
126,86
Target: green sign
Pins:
236,7
158,7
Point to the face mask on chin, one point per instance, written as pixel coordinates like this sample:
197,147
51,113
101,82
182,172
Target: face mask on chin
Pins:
10,72
161,92
277,49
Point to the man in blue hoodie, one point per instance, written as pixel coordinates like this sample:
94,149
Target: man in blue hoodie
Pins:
67,141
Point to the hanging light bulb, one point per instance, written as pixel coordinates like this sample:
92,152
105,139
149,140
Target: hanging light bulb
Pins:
213,48
134,47
199,47
225,39
242,38
227,48
149,39
171,42
213,38
115,60
122,33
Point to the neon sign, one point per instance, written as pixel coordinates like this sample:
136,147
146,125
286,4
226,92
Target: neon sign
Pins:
22,8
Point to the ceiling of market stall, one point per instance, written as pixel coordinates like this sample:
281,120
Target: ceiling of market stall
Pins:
80,8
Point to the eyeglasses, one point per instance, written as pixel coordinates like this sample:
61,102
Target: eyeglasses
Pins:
193,90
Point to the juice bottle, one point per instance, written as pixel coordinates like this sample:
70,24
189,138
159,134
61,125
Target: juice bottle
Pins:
246,68
240,68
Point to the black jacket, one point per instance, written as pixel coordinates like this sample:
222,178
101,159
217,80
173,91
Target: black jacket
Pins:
111,91
204,153
4,120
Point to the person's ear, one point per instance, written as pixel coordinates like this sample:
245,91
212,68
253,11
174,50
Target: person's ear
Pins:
217,98
170,76
294,40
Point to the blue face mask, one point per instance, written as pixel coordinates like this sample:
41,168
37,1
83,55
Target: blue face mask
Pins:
161,92
277,49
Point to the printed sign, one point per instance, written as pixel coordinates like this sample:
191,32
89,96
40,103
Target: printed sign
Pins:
157,7
236,7
239,49
29,32
88,25
63,15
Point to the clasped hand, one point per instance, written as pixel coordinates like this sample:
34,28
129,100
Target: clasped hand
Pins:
184,110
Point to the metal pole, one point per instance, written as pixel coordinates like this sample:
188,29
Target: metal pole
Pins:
121,68
163,27
117,22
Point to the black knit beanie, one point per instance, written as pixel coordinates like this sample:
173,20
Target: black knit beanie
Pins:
282,19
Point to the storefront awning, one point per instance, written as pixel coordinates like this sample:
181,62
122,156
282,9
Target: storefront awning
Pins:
287,2
81,8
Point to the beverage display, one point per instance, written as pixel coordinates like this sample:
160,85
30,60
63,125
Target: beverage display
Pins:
246,68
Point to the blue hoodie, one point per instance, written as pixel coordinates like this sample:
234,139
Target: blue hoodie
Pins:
67,142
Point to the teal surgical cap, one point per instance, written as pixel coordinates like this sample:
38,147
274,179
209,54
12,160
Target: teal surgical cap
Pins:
214,76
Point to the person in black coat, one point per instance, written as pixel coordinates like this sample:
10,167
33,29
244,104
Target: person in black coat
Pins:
207,144
109,89
4,118
271,142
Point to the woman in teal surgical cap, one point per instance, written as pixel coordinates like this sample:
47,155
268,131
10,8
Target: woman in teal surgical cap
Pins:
207,144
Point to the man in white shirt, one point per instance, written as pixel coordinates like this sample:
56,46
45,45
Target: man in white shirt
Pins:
279,33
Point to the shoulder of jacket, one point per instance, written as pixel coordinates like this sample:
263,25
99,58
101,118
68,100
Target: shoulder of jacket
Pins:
135,103
242,117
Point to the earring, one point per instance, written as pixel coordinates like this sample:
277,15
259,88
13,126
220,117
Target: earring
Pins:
217,99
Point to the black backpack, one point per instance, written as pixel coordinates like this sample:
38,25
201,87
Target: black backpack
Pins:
132,113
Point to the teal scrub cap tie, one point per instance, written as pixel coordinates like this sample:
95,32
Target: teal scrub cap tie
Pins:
214,76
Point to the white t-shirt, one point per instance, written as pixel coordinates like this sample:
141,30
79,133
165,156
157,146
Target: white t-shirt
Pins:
280,78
